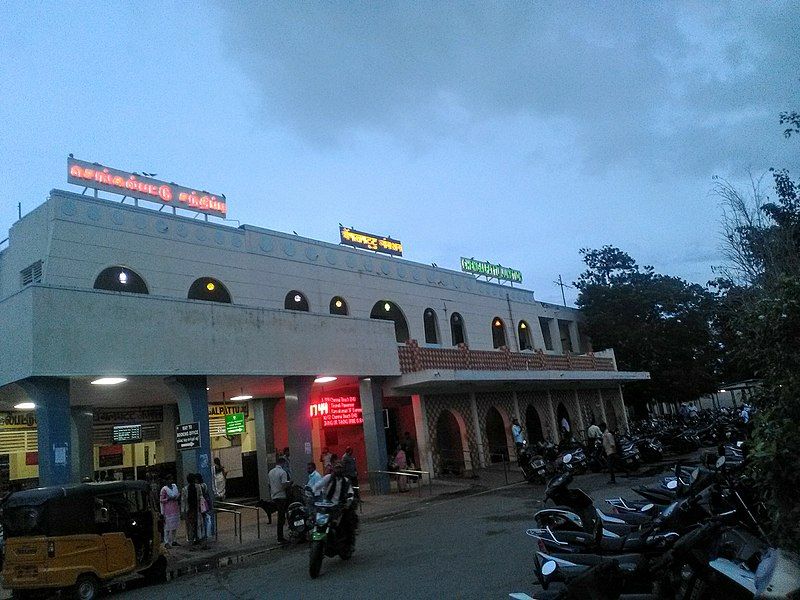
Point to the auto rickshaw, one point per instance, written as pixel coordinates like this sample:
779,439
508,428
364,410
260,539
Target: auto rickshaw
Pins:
78,537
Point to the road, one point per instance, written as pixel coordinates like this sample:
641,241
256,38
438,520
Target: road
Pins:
455,547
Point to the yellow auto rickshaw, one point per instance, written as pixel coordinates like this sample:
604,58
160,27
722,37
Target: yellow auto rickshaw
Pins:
77,537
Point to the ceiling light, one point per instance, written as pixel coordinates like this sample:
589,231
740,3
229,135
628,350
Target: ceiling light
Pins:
210,286
338,304
297,298
325,379
108,381
497,323
387,307
243,397
522,326
123,277
25,406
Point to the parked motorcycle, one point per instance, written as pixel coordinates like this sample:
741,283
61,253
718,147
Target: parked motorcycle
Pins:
533,465
330,536
299,513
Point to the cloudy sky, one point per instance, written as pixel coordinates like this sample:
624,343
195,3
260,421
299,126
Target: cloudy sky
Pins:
517,132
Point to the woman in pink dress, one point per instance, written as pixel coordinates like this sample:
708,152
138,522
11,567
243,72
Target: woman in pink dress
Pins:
400,461
170,498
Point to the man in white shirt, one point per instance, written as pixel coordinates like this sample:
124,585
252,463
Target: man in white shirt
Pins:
278,485
313,475
594,433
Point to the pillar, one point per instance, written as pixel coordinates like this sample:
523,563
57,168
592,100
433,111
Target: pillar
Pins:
190,392
81,419
516,406
421,430
476,422
623,412
602,405
551,414
51,396
297,391
580,434
371,395
555,336
264,421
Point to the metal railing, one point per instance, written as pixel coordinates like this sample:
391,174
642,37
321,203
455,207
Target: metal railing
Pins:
237,522
245,506
416,475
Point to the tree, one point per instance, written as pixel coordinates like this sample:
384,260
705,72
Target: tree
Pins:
654,322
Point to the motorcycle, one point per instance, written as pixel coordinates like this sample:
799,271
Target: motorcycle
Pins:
299,513
533,465
331,535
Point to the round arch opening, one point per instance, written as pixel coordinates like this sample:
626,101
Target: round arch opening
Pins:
120,279
448,444
533,425
496,436
498,333
209,289
562,415
386,310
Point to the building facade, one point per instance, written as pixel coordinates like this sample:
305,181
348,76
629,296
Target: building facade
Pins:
256,341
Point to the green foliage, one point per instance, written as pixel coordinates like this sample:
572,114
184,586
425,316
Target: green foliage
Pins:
654,322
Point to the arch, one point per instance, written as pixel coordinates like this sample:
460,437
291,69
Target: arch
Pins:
338,306
210,289
457,329
561,414
385,310
450,443
120,279
499,333
431,325
496,435
524,331
533,424
296,301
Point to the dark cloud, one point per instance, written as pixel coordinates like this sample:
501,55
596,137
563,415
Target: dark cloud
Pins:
678,86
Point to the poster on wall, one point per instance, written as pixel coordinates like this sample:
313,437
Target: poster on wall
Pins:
110,456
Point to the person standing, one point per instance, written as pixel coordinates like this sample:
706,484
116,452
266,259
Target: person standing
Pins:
205,526
278,485
610,448
350,469
220,480
325,459
401,464
313,475
410,448
190,507
170,500
516,433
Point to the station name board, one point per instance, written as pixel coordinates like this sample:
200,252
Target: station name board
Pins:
490,270
368,241
100,177
337,411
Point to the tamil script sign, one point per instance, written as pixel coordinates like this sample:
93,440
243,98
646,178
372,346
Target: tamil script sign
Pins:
338,410
368,241
489,270
100,177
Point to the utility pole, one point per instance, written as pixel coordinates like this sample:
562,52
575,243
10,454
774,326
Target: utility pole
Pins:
562,285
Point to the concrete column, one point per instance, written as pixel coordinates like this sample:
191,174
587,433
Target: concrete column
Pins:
51,396
623,413
264,420
476,423
555,334
421,430
580,434
575,337
516,406
190,392
168,452
371,395
297,391
602,414
551,414
81,419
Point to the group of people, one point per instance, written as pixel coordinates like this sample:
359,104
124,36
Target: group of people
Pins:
193,502
402,459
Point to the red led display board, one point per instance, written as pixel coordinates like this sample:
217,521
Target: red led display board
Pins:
337,411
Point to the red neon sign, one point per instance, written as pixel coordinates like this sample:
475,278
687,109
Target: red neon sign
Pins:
337,411
104,178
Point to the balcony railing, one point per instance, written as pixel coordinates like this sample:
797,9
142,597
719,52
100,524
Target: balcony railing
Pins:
461,358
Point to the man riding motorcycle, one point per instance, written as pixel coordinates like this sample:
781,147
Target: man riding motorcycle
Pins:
335,487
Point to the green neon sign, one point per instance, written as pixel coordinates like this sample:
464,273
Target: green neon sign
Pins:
490,270
234,424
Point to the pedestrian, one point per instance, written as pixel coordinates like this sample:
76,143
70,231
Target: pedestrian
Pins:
516,433
566,430
190,507
206,507
410,448
594,434
610,448
169,498
313,475
329,467
220,480
325,459
350,469
401,464
278,485
287,465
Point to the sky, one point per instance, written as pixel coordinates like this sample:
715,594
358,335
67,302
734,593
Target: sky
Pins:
514,132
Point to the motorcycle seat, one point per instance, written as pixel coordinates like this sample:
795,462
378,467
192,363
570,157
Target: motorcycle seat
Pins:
595,559
626,544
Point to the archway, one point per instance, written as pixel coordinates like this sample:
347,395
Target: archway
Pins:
562,414
210,289
120,279
533,424
389,311
448,444
496,435
499,333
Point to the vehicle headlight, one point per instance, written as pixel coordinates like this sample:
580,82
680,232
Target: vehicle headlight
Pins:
322,518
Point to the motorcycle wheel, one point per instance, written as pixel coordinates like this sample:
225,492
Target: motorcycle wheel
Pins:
315,558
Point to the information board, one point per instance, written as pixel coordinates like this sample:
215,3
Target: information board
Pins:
187,436
126,434
337,411
234,424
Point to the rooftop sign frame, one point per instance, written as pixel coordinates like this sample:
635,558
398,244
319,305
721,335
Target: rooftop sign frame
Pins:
490,270
369,241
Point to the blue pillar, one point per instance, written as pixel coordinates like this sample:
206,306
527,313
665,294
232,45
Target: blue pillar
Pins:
297,391
51,396
192,397
374,434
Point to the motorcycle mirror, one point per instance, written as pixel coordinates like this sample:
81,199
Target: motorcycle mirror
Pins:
672,485
566,460
720,462
647,508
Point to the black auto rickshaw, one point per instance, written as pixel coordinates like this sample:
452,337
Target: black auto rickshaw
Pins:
77,537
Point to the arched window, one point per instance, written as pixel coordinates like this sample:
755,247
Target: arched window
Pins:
389,311
207,288
498,332
295,301
524,331
120,279
338,306
457,329
431,326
